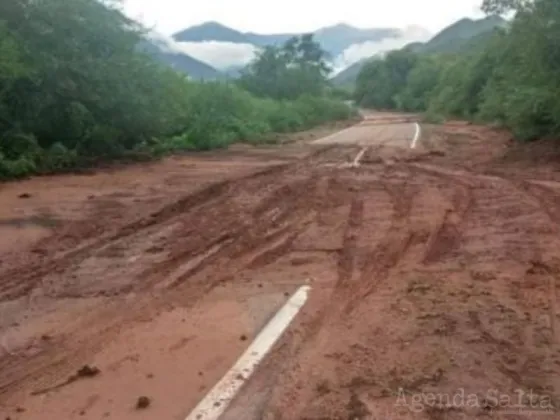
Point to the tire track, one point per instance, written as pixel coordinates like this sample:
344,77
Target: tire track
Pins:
244,238
20,281
346,260
548,198
392,247
446,237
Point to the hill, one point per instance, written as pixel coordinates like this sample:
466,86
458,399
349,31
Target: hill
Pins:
334,39
180,61
212,31
348,75
456,36
451,39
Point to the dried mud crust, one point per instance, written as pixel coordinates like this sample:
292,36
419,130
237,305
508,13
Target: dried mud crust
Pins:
428,275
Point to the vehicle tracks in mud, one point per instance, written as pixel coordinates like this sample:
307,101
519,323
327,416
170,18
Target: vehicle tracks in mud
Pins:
424,277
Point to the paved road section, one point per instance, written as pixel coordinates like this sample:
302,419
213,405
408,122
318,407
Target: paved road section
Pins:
375,130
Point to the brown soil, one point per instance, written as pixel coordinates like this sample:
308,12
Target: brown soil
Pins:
432,271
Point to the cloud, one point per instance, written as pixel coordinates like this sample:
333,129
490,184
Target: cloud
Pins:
220,55
223,55
357,52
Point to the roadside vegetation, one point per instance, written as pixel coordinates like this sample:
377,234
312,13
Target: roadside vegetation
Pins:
509,77
76,88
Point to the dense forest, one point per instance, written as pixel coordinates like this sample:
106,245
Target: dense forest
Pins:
76,87
509,77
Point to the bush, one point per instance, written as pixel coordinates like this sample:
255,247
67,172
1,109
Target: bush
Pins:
71,101
510,77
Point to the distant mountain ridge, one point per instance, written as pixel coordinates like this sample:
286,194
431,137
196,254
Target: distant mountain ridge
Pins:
455,36
334,39
180,61
451,39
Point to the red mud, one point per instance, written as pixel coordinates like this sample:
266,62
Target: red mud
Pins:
433,271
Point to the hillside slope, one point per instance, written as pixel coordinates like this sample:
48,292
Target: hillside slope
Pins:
180,61
451,39
212,31
455,36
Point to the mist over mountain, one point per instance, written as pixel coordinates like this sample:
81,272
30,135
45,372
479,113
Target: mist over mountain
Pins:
173,54
453,38
214,51
224,47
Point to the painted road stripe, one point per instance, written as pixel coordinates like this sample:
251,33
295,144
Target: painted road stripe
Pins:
218,399
359,156
416,136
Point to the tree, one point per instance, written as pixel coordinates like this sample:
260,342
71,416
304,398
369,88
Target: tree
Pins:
420,84
381,80
76,86
503,6
296,68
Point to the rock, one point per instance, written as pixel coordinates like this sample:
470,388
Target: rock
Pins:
143,403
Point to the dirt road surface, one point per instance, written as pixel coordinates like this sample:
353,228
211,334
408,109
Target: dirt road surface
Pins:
127,293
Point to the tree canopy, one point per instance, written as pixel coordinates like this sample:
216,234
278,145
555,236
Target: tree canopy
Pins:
511,77
76,87
296,68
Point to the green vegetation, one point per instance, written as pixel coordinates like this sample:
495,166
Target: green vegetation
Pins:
462,35
70,101
454,37
285,73
512,78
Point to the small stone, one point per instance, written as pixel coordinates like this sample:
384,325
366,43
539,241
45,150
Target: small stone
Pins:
143,402
87,371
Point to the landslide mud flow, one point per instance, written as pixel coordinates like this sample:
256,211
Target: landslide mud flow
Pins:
433,274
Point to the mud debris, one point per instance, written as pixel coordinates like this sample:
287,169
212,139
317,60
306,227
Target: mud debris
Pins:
143,402
478,313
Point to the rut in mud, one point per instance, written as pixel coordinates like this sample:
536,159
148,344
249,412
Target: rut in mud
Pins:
427,276
446,282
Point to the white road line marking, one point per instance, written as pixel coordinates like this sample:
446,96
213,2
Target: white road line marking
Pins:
416,136
218,399
356,162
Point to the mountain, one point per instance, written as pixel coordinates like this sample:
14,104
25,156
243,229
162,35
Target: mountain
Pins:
334,39
451,39
349,75
211,31
233,72
454,37
163,51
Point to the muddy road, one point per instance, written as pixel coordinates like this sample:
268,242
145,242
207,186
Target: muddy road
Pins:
128,293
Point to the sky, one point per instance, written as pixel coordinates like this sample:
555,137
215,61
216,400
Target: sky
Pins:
169,16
